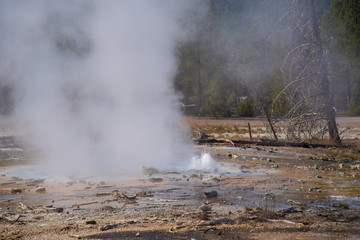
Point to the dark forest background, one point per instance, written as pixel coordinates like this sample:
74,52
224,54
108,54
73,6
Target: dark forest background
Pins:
253,57
240,59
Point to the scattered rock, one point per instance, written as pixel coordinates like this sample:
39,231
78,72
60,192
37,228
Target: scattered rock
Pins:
41,190
319,176
230,155
132,221
156,180
292,202
144,194
133,197
137,234
353,167
59,210
292,210
211,194
312,189
205,208
22,207
91,222
16,191
341,205
108,209
108,226
115,194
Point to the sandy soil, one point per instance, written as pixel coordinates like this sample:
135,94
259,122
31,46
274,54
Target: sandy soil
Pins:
261,193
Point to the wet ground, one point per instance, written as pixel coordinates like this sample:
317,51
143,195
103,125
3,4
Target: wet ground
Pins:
255,193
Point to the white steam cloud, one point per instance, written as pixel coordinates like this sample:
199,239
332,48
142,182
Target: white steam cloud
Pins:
92,80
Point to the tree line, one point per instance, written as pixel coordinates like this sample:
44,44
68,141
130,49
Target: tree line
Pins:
247,58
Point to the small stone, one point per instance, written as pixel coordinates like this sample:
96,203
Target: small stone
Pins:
115,193
91,222
353,167
211,194
314,189
16,191
41,190
319,176
108,226
205,208
59,210
292,210
137,234
341,205
156,180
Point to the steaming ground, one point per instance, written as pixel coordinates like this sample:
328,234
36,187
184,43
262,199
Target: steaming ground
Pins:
91,82
203,164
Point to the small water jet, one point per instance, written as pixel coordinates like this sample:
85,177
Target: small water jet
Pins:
204,162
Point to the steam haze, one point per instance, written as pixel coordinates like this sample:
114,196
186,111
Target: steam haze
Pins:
92,81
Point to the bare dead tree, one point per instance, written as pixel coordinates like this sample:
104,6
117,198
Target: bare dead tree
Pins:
306,78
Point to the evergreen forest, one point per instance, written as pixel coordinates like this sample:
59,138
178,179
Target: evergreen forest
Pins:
278,57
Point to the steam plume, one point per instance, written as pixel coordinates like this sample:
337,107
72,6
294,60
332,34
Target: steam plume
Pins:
91,80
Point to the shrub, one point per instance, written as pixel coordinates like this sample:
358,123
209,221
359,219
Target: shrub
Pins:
246,108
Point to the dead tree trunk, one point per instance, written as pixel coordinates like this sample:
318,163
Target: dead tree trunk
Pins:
199,78
329,103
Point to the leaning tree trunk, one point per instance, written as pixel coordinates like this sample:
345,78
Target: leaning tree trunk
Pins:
329,103
199,78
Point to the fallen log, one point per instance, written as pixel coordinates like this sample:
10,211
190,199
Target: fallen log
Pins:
262,142
222,141
293,144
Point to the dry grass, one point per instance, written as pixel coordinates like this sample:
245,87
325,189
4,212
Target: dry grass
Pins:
195,122
353,154
237,129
